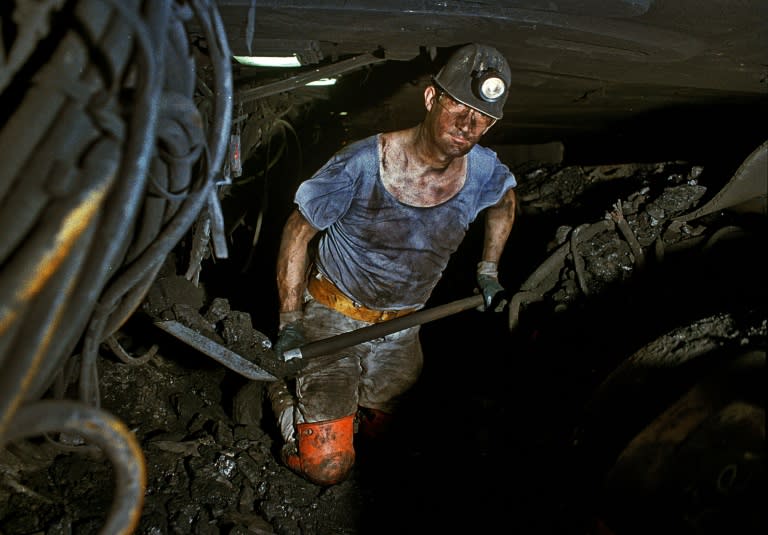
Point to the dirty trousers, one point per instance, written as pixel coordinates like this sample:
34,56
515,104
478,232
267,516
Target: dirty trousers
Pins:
374,374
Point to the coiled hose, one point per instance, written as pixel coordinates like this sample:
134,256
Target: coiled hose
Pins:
107,162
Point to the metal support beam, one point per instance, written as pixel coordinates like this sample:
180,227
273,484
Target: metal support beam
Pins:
300,80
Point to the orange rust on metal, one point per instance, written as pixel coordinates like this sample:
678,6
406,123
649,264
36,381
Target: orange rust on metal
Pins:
7,318
72,228
120,429
32,369
105,431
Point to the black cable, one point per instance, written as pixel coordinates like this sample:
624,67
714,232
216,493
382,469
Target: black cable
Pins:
108,433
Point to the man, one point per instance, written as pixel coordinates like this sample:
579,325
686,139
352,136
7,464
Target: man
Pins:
389,210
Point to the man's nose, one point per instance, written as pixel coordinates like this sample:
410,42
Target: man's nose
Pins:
464,120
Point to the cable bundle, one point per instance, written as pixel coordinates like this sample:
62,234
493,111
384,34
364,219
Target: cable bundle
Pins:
107,164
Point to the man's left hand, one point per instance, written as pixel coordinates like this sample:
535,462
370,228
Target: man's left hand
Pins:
494,295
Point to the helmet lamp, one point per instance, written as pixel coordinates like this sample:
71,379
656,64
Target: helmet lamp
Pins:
491,86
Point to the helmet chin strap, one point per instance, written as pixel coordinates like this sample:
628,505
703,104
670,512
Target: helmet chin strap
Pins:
489,127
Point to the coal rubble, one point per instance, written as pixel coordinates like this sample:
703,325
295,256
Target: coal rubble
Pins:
211,446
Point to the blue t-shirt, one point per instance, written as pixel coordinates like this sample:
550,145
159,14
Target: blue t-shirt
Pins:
380,252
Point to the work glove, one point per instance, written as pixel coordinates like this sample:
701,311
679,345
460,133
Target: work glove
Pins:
290,335
494,295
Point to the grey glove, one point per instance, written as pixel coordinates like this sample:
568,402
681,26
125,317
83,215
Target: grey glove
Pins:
494,295
290,336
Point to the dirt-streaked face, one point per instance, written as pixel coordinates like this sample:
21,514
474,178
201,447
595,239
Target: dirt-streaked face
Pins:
454,127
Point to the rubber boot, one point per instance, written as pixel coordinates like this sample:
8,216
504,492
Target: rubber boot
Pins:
323,451
282,401
373,436
372,423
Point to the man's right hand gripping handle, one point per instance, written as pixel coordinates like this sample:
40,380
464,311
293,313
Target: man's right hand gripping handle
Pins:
290,335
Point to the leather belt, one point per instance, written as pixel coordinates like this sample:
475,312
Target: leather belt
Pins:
325,292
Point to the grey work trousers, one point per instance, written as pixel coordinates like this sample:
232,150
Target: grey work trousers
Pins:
373,374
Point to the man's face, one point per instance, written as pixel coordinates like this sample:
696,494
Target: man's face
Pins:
456,128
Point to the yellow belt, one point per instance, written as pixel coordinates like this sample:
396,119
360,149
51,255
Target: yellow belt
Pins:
325,292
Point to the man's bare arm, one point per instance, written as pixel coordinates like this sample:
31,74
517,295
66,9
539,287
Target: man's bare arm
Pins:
498,224
293,261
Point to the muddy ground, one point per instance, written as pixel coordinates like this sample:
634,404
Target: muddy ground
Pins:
486,443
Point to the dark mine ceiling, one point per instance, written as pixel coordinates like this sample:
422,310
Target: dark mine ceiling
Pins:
579,67
145,181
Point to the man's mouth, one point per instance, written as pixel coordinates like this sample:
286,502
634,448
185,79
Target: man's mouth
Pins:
460,138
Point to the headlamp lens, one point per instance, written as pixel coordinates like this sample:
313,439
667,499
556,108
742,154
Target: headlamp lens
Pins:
492,88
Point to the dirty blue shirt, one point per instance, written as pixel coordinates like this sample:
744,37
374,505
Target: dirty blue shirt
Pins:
380,252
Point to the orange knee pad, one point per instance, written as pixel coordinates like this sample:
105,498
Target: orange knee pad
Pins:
325,453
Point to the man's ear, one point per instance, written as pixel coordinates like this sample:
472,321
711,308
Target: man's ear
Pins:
430,93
